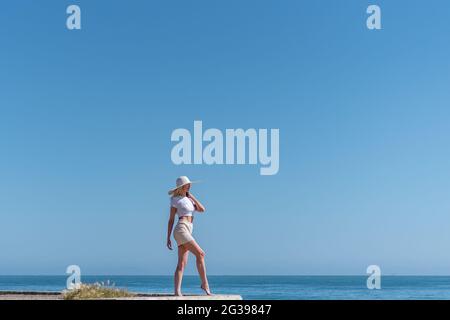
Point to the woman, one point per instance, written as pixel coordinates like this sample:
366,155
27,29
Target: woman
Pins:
183,204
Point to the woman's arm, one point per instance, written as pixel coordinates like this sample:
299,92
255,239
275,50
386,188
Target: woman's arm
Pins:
173,211
198,206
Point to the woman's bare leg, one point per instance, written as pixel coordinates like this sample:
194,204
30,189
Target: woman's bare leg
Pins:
182,261
193,247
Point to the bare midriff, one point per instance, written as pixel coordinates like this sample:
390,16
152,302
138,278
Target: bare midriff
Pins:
186,218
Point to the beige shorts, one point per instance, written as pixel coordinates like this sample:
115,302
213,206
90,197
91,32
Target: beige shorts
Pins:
183,232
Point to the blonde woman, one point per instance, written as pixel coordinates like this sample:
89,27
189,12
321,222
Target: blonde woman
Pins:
183,204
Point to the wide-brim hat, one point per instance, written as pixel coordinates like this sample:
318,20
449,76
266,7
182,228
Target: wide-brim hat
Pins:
181,181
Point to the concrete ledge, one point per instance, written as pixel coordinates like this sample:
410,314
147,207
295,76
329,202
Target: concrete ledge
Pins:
15,295
186,297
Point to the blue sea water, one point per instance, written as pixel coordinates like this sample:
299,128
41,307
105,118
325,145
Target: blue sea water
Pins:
259,287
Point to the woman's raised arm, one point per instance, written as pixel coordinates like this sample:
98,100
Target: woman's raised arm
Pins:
198,206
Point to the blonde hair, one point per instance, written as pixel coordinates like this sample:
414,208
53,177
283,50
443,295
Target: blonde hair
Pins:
178,192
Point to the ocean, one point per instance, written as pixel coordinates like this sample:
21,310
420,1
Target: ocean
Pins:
259,287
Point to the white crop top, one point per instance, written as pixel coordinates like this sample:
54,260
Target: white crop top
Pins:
185,206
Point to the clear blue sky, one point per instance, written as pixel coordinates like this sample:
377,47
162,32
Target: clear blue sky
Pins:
86,118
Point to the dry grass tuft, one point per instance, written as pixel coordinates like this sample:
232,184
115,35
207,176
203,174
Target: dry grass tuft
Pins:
96,291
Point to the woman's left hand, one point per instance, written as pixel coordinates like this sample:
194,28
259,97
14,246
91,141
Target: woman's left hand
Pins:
198,206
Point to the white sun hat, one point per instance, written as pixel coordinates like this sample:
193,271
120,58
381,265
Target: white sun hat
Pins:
181,181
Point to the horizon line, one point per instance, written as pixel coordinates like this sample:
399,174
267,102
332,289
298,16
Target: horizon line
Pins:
227,275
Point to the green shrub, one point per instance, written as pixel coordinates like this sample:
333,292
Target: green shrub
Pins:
96,291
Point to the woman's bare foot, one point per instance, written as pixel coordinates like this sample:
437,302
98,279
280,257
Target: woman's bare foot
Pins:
206,289
178,294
